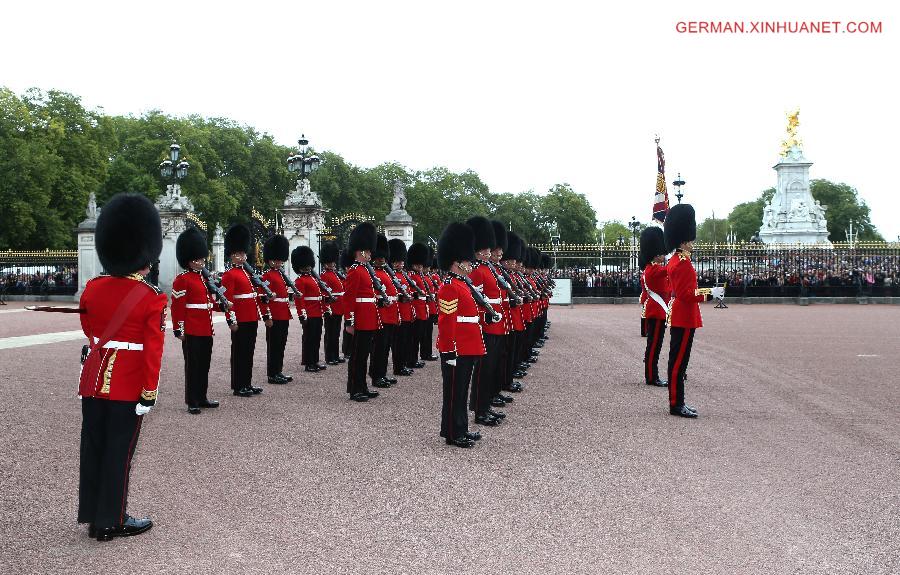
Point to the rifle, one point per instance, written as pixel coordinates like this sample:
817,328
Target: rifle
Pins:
419,292
479,299
323,287
402,291
215,290
259,283
383,300
514,299
293,292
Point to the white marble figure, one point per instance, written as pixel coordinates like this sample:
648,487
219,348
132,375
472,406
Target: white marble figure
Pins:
399,201
302,195
91,212
173,200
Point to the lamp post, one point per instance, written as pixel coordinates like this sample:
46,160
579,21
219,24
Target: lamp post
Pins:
620,242
635,226
678,183
171,169
303,163
554,241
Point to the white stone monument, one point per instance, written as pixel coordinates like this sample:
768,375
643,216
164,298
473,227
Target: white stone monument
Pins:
89,265
302,219
218,250
399,224
793,216
173,209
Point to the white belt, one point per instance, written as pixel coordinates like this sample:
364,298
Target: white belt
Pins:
245,295
314,298
494,300
121,345
337,293
467,319
198,305
365,300
281,299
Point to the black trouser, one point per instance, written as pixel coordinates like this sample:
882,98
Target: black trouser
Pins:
425,347
486,375
360,349
656,333
109,434
197,351
243,344
347,342
402,344
312,338
643,327
680,341
332,337
511,344
524,345
454,417
381,346
276,340
418,337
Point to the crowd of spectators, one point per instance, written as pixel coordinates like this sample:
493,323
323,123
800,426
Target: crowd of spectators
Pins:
54,281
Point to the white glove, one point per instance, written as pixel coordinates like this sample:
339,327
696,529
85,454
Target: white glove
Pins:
718,292
451,362
142,409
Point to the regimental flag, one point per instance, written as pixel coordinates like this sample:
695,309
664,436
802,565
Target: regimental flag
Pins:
661,199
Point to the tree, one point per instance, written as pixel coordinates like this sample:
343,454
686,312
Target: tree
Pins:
712,230
746,218
571,211
843,205
610,231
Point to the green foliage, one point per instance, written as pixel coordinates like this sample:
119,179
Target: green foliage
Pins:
712,230
746,218
844,204
610,232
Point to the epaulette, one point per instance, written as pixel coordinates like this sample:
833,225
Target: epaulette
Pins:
138,277
353,265
448,280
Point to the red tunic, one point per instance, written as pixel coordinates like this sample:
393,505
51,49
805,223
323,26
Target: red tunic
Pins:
359,299
406,307
244,299
280,307
192,305
420,304
129,365
484,280
332,280
390,314
459,323
434,284
311,296
655,278
686,304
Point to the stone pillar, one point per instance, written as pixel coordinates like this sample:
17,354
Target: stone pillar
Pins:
88,263
399,224
303,219
218,249
173,209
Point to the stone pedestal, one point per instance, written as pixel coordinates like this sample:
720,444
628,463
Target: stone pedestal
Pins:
173,209
303,220
793,216
218,250
88,263
399,224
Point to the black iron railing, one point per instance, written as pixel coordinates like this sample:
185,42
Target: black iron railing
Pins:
48,272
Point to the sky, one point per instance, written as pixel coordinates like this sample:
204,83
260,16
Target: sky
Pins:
527,94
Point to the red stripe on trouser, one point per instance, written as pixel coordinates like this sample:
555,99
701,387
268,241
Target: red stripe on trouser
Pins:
673,378
137,428
651,359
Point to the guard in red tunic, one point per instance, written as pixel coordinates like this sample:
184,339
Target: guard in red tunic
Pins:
328,257
247,306
459,339
361,308
124,319
485,382
389,316
311,305
192,313
655,309
684,318
433,281
275,253
508,264
403,338
416,260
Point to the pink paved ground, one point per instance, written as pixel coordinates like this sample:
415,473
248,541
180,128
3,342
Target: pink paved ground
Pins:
793,466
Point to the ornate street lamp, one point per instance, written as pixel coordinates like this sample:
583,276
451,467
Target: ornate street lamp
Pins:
301,163
678,183
171,169
634,225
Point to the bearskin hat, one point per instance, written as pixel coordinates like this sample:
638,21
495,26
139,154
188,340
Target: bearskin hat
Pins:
347,259
417,255
484,233
329,253
302,257
546,262
276,248
397,249
128,236
457,244
513,249
363,238
381,248
237,239
652,244
680,226
190,246
499,235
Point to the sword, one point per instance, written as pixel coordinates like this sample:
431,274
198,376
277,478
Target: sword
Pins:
55,308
